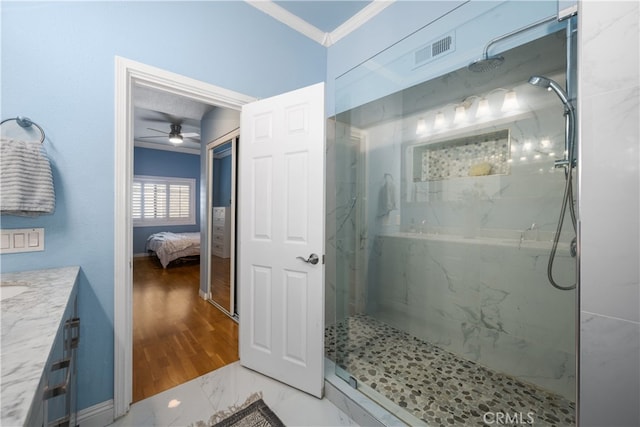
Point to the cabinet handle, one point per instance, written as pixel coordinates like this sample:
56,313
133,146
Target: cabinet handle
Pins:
74,325
61,388
71,340
61,422
57,390
61,364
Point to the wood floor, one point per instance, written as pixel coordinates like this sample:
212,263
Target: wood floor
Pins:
177,336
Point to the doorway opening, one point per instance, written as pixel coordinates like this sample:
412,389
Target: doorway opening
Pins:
177,335
131,74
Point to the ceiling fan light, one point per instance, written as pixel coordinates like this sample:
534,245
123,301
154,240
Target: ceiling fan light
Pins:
175,138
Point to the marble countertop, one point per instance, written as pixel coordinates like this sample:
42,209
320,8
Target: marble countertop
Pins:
30,314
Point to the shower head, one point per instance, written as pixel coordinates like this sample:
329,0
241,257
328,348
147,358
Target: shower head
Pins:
486,63
550,85
540,81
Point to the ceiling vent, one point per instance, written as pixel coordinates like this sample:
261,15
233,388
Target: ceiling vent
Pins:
434,49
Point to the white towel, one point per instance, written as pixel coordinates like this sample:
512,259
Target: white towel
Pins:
386,197
26,181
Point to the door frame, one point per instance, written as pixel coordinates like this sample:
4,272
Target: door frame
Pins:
129,74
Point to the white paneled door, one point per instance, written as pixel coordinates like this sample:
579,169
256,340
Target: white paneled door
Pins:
281,237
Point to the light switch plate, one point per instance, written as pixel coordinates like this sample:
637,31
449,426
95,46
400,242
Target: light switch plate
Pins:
21,240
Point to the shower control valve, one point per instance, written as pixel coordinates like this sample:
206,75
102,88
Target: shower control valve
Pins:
564,163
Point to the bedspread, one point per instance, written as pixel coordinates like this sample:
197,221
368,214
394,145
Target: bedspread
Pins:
171,246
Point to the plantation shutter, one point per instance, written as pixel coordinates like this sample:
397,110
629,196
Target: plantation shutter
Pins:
136,203
155,200
163,201
179,197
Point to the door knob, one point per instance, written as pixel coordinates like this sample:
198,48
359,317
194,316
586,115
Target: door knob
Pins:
313,259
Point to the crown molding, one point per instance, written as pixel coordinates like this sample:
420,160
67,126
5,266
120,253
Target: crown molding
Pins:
166,147
289,19
315,34
357,20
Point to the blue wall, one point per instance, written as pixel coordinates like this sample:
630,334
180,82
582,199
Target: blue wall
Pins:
58,69
170,164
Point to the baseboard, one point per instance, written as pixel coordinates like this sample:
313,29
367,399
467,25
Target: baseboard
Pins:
98,415
140,255
204,295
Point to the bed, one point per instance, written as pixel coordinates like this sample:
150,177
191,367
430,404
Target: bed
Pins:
172,246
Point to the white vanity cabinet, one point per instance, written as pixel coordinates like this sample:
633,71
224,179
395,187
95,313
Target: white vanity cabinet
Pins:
40,348
221,232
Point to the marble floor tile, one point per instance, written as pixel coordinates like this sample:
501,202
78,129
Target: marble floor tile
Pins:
231,385
179,406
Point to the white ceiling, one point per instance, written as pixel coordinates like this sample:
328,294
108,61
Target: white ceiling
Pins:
154,113
324,21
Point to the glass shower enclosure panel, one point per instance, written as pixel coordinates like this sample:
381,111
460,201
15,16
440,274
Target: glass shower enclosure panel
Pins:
447,201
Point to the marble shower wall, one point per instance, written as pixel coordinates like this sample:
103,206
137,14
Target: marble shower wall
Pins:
609,84
529,193
486,300
346,234
330,227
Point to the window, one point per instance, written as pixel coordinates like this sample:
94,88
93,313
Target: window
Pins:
159,200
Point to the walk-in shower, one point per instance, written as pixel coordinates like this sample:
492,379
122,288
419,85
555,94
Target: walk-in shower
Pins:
444,231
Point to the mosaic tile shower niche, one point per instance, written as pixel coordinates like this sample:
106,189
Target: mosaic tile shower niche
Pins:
480,155
443,309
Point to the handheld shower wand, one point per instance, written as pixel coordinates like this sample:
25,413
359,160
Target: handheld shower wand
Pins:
568,163
569,112
551,85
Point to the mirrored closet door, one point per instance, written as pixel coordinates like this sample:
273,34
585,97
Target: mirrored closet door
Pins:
221,202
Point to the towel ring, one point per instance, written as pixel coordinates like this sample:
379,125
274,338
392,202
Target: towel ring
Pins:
25,122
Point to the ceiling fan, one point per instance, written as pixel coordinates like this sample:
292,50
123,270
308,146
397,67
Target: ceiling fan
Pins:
175,134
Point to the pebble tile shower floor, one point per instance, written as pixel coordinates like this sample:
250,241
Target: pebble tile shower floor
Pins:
435,385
